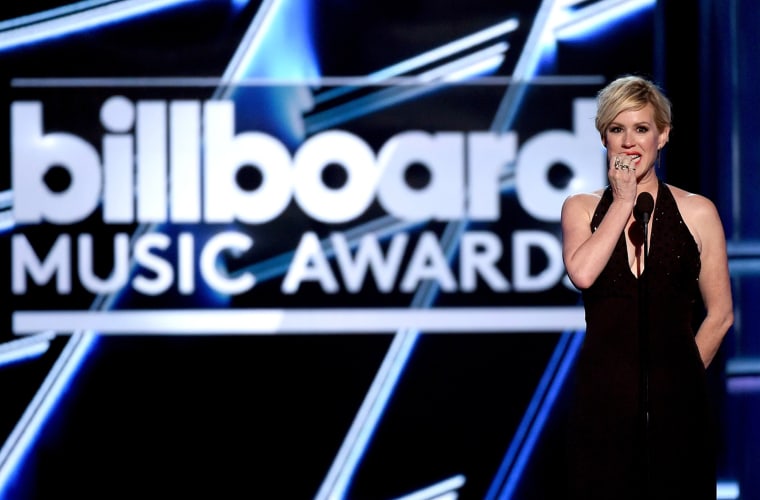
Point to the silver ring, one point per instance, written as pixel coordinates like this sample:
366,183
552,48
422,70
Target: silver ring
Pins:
617,163
624,167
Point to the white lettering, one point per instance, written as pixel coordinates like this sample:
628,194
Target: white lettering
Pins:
57,262
428,263
120,273
185,162
443,157
479,254
235,243
522,243
309,264
33,153
118,115
162,271
580,151
225,154
152,174
341,204
151,162
369,255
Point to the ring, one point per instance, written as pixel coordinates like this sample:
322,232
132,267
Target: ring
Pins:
624,167
617,163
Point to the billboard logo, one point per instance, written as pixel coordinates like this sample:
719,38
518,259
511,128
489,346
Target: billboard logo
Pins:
177,162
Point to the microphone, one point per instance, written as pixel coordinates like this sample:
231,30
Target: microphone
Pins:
644,206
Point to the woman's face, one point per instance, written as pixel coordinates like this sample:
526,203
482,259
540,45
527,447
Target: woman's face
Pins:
634,133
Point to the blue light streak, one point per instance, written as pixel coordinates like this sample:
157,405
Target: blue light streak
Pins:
507,478
438,491
587,21
433,56
526,66
277,45
6,205
355,443
74,18
27,429
50,14
25,348
469,65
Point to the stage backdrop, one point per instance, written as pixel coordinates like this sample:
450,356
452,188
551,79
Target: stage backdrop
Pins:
295,249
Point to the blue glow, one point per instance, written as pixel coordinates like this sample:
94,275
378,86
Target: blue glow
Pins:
65,10
426,58
478,63
484,67
278,48
530,442
24,348
743,366
447,50
277,45
511,469
240,4
77,17
743,248
728,490
525,68
354,445
362,106
438,490
744,267
589,20
6,222
35,415
6,216
743,384
467,66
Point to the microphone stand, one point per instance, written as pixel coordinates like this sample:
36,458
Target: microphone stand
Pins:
644,351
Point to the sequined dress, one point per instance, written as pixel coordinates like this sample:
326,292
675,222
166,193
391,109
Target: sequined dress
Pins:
608,434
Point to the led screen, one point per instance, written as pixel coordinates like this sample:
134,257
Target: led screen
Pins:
295,249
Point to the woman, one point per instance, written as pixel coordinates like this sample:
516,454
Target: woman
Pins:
640,421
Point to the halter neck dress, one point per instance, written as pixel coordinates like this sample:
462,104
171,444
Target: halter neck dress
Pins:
614,453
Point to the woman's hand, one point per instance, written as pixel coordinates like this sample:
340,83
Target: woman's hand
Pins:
622,177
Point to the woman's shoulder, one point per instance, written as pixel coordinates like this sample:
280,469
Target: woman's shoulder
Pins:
586,198
692,202
581,203
698,212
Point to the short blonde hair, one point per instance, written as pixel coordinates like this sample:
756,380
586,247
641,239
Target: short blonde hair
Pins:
631,93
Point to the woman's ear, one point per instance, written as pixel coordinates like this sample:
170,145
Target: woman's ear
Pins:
664,137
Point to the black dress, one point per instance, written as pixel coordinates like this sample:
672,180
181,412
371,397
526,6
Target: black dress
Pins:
609,438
